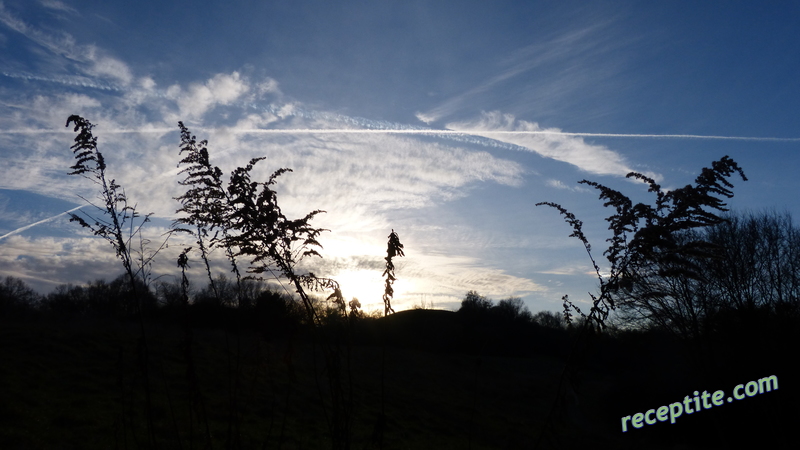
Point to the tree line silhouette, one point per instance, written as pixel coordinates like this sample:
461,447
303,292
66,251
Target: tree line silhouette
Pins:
755,267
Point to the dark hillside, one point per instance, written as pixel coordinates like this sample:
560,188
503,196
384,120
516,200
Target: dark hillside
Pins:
74,382
448,331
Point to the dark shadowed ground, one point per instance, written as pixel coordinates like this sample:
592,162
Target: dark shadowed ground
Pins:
448,383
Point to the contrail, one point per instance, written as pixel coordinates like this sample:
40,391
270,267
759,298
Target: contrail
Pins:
424,131
66,80
103,131
503,132
19,230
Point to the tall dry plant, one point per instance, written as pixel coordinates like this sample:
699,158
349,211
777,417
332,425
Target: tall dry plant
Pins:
243,217
645,247
205,201
270,240
197,405
394,248
206,208
116,222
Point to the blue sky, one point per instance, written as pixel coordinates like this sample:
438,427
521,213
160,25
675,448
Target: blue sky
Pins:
601,89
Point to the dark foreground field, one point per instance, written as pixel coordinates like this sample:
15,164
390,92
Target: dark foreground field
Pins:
443,383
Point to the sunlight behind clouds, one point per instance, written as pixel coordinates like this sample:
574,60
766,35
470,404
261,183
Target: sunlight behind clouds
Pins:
365,285
359,179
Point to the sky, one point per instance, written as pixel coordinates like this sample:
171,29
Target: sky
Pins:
394,115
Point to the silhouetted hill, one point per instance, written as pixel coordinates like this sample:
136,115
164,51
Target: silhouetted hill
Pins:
448,331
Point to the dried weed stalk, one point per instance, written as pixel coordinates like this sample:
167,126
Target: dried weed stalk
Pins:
644,248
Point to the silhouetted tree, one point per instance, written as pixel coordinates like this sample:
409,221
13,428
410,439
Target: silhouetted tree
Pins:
169,293
512,309
16,296
276,314
475,303
65,299
114,299
758,263
219,292
549,319
754,266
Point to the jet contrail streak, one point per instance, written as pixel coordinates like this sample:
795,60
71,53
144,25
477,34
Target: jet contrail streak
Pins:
503,132
19,230
430,132
69,131
65,80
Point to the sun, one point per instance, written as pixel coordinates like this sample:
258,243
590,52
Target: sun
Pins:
365,285
368,286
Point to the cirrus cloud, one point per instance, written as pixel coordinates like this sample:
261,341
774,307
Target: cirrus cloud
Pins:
550,143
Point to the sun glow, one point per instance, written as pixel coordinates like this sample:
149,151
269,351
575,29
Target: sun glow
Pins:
368,286
365,285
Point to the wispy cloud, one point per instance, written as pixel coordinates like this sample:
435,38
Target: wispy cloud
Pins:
91,60
560,185
359,178
57,6
579,43
67,80
550,143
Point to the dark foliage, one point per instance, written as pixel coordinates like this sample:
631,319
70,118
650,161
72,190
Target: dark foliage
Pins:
476,307
168,294
99,298
475,303
274,315
753,266
549,319
512,310
16,297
